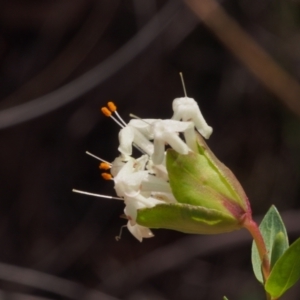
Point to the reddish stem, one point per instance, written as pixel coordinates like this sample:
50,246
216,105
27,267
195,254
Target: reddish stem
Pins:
252,227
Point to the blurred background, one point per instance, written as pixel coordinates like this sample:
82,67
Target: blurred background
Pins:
60,61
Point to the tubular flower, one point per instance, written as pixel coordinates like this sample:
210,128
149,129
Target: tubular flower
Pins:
185,188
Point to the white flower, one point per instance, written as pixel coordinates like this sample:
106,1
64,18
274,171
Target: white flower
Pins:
140,188
187,109
139,201
139,232
140,132
166,131
143,182
129,136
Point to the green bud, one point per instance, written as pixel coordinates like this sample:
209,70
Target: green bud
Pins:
210,199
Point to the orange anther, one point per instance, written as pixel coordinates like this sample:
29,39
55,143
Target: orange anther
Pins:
104,166
106,111
111,106
106,176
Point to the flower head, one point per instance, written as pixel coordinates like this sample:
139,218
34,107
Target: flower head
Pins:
185,187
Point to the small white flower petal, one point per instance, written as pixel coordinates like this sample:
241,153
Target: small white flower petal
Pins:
190,138
139,232
187,109
171,125
126,137
129,135
159,152
138,202
118,164
166,131
175,142
128,168
132,205
130,184
143,126
141,162
121,186
153,183
133,183
159,170
142,142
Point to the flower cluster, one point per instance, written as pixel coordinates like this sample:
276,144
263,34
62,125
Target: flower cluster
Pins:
148,187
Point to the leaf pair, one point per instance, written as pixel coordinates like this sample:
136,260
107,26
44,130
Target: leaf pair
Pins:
284,260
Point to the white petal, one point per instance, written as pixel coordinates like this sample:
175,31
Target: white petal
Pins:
190,138
138,164
159,151
132,184
175,142
159,170
143,126
126,169
132,205
187,109
139,232
171,125
129,184
138,202
121,185
141,162
118,164
126,137
129,135
165,131
142,142
155,184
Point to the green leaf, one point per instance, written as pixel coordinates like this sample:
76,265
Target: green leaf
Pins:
285,272
225,298
279,247
186,218
195,180
225,173
270,227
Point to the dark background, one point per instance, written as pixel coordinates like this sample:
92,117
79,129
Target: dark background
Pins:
55,244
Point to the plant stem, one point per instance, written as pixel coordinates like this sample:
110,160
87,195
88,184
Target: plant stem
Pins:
252,227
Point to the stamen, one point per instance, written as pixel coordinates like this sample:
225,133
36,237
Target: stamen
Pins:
92,155
97,195
108,113
113,108
118,237
137,132
104,166
183,85
136,117
107,176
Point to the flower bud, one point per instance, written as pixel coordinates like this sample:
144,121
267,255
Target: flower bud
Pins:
210,199
185,188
